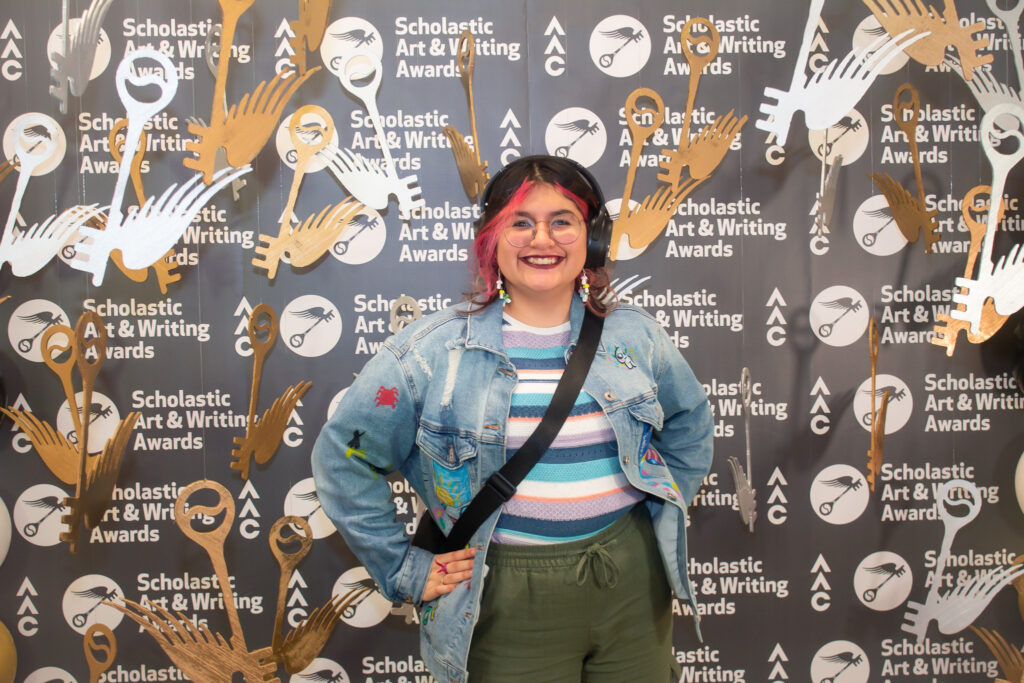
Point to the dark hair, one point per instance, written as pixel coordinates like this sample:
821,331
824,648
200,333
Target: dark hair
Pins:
505,193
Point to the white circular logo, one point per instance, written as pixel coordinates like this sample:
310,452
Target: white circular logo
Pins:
839,494
55,46
5,531
839,315
321,670
875,228
50,674
310,325
578,134
345,37
362,239
870,34
901,402
303,501
27,324
370,608
625,252
842,661
620,46
103,417
38,137
311,131
849,137
83,602
883,580
37,514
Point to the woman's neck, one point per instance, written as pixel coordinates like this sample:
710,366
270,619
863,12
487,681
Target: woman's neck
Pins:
546,310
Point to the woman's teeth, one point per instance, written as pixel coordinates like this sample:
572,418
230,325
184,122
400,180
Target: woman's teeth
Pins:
542,260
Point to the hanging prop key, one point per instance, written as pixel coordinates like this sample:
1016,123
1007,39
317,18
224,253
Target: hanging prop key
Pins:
29,249
146,235
99,654
405,189
472,172
948,328
702,154
262,438
71,68
642,225
911,215
1003,282
310,129
959,606
877,417
297,650
745,493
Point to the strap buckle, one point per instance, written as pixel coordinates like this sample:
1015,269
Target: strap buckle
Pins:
501,486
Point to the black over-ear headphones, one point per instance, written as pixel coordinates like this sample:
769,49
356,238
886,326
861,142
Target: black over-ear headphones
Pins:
599,223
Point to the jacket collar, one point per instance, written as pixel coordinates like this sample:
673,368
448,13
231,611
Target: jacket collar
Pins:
483,328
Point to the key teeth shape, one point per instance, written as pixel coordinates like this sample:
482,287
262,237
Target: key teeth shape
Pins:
242,456
269,257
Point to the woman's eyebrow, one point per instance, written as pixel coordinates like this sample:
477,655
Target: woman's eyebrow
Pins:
558,212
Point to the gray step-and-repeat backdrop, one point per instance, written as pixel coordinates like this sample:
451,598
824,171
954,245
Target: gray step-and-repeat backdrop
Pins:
836,582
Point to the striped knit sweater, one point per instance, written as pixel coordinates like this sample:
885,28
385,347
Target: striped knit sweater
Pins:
578,488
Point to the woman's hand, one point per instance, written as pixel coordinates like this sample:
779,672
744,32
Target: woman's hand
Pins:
447,572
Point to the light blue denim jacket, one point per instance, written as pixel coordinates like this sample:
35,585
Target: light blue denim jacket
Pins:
433,404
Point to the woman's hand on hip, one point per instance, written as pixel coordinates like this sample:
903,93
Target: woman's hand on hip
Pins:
448,571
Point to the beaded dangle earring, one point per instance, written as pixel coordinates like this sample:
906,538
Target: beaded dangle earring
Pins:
584,290
502,294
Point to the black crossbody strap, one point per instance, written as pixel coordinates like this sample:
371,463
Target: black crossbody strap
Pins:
501,486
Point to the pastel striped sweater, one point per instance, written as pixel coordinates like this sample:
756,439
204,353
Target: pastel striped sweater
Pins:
578,488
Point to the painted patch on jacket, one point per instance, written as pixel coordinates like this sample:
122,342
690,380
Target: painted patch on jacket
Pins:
354,449
623,355
452,486
655,472
386,397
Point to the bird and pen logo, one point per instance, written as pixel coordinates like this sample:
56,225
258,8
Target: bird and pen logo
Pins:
83,603
839,315
347,36
37,514
620,46
883,580
839,494
840,662
311,325
27,324
321,670
303,501
900,407
576,133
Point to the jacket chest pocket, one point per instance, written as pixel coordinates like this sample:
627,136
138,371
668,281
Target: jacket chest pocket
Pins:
450,464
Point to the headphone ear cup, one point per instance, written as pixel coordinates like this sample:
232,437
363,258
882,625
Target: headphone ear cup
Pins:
599,236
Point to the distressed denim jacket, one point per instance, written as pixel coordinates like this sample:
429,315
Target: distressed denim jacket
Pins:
433,404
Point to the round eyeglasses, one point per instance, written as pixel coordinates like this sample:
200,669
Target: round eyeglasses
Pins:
564,229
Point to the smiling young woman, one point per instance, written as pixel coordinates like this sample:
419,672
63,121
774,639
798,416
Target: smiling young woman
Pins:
566,580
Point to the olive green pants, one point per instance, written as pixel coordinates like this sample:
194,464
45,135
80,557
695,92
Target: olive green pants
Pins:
597,610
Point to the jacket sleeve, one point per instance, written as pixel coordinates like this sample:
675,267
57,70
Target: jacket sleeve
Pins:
685,440
371,434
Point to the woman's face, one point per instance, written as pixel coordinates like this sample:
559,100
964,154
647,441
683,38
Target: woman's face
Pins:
543,267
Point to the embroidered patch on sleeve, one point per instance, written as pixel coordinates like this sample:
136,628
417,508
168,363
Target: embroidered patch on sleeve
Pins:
386,397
